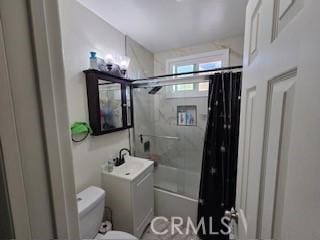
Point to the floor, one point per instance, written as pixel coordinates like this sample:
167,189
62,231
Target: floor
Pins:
172,234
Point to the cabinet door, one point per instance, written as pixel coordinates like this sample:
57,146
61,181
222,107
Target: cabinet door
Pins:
110,101
128,106
143,202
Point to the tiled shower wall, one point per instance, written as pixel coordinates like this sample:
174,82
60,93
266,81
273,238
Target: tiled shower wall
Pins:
191,145
157,115
141,66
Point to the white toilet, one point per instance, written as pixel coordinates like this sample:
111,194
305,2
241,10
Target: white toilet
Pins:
90,208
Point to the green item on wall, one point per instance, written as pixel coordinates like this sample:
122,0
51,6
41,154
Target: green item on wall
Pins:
79,128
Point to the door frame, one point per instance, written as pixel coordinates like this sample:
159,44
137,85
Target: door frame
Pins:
50,79
10,152
45,22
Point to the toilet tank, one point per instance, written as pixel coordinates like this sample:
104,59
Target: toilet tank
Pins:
90,209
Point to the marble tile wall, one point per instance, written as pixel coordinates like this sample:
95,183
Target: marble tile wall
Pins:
157,114
235,44
144,121
187,152
141,66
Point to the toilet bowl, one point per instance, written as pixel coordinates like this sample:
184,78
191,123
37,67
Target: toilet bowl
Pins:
90,209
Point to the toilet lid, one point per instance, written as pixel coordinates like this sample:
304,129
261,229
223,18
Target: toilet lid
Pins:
117,235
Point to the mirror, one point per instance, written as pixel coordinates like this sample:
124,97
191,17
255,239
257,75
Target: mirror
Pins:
109,102
110,105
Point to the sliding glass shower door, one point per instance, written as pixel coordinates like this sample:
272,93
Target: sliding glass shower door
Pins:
169,130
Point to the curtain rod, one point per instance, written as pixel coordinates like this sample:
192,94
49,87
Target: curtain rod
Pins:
188,73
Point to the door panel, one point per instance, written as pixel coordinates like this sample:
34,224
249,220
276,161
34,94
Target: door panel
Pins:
251,93
278,193
254,33
284,6
143,206
285,11
259,28
275,157
246,201
255,30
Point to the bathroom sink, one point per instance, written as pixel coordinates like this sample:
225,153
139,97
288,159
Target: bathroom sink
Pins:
131,169
130,195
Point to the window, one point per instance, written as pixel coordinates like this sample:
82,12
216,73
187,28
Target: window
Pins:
210,65
185,87
200,62
184,69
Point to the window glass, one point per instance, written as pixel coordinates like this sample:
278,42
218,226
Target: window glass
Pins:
207,66
194,63
210,65
185,68
185,87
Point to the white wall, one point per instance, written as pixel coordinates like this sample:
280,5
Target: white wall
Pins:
235,44
82,32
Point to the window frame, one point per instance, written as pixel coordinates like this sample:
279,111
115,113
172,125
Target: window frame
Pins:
196,60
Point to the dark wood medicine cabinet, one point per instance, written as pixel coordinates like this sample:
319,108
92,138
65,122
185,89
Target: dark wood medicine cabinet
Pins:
110,102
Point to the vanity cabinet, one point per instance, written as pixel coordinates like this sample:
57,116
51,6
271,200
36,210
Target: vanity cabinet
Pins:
142,203
110,102
130,195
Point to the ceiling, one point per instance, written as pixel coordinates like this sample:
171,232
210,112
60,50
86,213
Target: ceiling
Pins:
166,24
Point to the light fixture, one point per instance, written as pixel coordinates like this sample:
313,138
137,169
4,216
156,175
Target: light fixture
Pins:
124,64
109,61
113,63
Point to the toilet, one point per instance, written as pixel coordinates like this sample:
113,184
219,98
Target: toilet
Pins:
91,203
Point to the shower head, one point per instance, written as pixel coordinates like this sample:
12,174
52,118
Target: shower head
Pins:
155,90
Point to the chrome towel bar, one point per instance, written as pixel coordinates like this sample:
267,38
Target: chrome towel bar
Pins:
155,136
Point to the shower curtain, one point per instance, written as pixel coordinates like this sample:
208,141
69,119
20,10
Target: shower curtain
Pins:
219,164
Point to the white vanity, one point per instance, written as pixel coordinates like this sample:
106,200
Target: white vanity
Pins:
129,193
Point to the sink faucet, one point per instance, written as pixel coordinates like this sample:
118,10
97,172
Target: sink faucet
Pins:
121,156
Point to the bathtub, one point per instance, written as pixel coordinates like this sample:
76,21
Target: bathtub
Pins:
176,192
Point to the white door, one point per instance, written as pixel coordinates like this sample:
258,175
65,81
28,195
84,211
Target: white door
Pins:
278,193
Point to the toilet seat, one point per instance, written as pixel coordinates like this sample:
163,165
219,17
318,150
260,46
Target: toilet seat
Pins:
116,235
